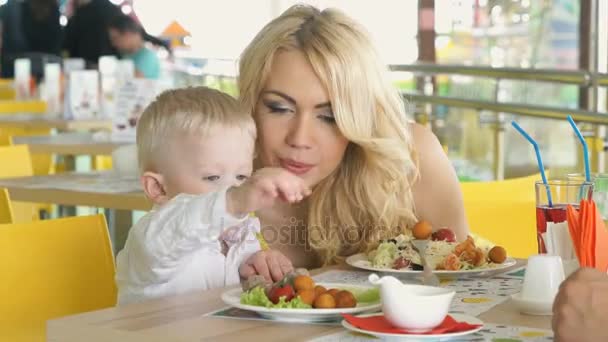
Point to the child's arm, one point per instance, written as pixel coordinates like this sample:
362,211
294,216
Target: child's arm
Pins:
186,224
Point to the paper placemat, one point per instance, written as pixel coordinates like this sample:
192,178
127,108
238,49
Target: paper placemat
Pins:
474,296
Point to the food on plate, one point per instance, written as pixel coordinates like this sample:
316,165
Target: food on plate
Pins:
297,290
442,253
333,292
307,296
422,230
303,282
281,291
444,234
324,301
345,299
497,254
319,290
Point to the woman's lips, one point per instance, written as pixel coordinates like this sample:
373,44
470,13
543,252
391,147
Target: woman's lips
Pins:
295,167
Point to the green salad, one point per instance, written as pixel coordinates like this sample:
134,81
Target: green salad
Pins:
257,297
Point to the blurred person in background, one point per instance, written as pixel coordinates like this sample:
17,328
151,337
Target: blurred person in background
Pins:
129,38
30,29
86,34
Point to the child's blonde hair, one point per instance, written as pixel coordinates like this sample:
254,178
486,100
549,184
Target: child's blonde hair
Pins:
179,112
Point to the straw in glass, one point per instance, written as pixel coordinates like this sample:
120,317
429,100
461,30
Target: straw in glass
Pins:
539,160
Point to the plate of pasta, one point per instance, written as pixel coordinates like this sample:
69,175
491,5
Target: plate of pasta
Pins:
444,255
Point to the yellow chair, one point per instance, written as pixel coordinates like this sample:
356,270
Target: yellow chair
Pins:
42,164
6,212
504,212
16,162
29,106
7,92
50,269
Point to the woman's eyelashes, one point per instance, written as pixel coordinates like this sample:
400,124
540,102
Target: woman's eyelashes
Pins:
280,108
277,107
328,118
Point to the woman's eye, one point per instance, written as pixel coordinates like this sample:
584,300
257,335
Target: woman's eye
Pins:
241,177
328,118
276,107
211,178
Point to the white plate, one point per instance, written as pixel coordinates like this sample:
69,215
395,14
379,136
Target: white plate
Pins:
233,298
418,337
361,261
532,307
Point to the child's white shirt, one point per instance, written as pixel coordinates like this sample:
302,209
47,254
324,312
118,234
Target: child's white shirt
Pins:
177,248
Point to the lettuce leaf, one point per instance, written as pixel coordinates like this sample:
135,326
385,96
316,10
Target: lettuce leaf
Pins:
257,297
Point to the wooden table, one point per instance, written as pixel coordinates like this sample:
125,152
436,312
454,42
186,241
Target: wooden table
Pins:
181,318
55,189
72,144
47,121
94,189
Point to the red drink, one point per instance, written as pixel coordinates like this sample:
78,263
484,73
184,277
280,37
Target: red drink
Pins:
544,214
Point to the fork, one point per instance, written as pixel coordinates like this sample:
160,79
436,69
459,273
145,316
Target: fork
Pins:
428,277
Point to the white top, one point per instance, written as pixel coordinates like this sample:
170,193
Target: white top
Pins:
177,248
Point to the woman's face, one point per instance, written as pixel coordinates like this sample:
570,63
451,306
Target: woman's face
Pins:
296,126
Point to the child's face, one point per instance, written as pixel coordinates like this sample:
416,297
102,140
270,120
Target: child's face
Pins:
199,164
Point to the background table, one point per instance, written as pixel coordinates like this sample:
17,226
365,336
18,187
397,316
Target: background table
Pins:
107,189
46,121
72,144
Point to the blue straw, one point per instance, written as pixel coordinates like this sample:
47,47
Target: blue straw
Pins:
539,160
585,149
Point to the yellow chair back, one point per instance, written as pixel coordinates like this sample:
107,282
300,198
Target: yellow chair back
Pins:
50,269
30,106
504,213
16,162
6,211
42,164
5,140
7,92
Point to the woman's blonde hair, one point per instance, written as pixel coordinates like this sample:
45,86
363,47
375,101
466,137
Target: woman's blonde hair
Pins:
183,111
369,196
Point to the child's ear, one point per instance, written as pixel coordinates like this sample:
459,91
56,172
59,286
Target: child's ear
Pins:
154,187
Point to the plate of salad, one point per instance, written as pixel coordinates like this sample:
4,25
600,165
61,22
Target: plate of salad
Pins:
298,298
444,255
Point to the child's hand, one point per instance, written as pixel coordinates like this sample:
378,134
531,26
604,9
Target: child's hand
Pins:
270,264
263,188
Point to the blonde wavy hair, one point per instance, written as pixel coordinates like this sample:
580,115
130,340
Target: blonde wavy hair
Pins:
368,197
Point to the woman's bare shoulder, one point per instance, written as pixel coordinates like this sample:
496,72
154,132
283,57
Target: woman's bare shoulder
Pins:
437,194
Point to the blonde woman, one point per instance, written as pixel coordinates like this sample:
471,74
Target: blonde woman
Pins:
326,111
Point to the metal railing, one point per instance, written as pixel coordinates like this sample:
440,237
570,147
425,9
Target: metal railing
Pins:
576,77
579,78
